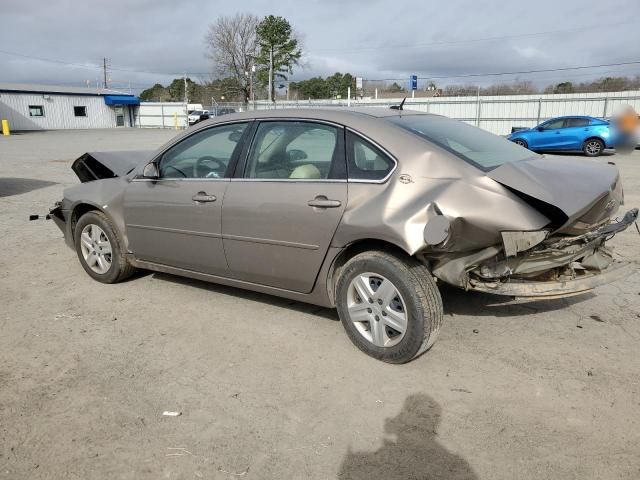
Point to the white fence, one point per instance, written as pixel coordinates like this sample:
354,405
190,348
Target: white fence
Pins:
161,115
497,114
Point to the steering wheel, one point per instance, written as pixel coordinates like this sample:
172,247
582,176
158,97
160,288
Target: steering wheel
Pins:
204,171
176,169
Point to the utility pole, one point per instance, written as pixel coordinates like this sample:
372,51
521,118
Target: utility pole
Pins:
104,71
270,97
186,101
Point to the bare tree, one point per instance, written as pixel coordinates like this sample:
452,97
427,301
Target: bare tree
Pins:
232,44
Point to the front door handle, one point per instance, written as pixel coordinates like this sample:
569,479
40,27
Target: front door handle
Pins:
203,197
323,202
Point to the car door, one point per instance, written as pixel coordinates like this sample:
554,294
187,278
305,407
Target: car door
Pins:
176,219
548,136
575,131
282,209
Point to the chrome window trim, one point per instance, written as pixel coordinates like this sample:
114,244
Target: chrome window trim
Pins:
381,148
181,179
298,119
289,180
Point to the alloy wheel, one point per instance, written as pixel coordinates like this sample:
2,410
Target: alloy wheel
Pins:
377,309
593,147
96,248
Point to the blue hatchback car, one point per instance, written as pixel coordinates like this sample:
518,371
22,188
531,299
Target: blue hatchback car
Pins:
587,134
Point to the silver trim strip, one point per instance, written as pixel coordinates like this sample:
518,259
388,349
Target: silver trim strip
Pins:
175,230
269,241
238,238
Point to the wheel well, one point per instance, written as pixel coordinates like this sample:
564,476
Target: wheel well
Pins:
594,138
78,212
354,249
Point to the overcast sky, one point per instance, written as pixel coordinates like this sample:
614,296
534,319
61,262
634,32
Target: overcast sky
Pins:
374,39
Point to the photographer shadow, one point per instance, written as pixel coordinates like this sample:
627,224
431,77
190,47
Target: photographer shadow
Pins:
415,453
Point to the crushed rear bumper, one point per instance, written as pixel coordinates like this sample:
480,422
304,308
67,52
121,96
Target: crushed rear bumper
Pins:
561,265
557,289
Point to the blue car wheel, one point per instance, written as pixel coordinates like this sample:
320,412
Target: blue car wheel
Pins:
593,147
521,142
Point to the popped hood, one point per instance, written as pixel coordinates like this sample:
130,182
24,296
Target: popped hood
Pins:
98,165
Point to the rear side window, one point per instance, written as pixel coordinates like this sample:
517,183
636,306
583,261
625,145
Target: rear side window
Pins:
294,150
577,122
365,160
480,148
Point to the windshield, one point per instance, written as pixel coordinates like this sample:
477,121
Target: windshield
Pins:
474,145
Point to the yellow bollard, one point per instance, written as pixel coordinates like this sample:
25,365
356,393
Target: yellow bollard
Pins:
5,128
175,121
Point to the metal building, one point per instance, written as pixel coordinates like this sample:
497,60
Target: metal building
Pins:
46,107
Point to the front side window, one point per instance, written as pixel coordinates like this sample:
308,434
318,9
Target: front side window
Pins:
366,161
478,147
36,110
553,125
80,111
205,154
295,150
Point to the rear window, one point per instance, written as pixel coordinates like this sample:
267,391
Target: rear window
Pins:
473,145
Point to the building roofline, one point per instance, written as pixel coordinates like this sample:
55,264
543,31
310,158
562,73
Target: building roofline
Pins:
58,90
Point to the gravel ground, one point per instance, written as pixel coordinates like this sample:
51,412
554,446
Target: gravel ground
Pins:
273,389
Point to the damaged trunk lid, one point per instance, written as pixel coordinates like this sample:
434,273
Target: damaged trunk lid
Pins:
575,194
98,165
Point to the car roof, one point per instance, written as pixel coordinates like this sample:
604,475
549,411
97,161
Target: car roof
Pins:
574,116
342,115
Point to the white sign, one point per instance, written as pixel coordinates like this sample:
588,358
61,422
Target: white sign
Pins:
359,83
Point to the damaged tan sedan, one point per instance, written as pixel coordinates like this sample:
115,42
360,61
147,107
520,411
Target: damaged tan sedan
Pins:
362,210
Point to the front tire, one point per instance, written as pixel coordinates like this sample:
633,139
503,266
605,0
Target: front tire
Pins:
98,249
593,147
389,306
521,142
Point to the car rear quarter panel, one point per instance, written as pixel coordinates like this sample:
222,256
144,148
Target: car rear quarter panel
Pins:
427,182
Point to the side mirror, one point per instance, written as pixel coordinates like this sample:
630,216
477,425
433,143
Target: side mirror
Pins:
540,129
151,171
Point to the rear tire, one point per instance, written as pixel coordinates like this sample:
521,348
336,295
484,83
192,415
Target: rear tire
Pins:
402,314
593,147
521,142
99,250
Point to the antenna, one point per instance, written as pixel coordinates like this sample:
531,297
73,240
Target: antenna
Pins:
399,107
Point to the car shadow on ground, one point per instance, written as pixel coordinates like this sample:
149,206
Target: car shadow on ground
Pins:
455,301
17,186
328,313
606,153
459,302
413,451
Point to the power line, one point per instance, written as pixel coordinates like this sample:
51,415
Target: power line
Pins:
474,40
521,72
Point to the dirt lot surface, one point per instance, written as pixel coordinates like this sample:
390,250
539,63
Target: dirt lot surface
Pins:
272,389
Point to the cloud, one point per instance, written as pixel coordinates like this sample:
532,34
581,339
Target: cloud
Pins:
374,39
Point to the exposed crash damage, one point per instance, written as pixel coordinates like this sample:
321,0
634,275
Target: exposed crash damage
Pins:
358,210
559,265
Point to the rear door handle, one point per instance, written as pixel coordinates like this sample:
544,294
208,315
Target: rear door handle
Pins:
203,197
323,202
